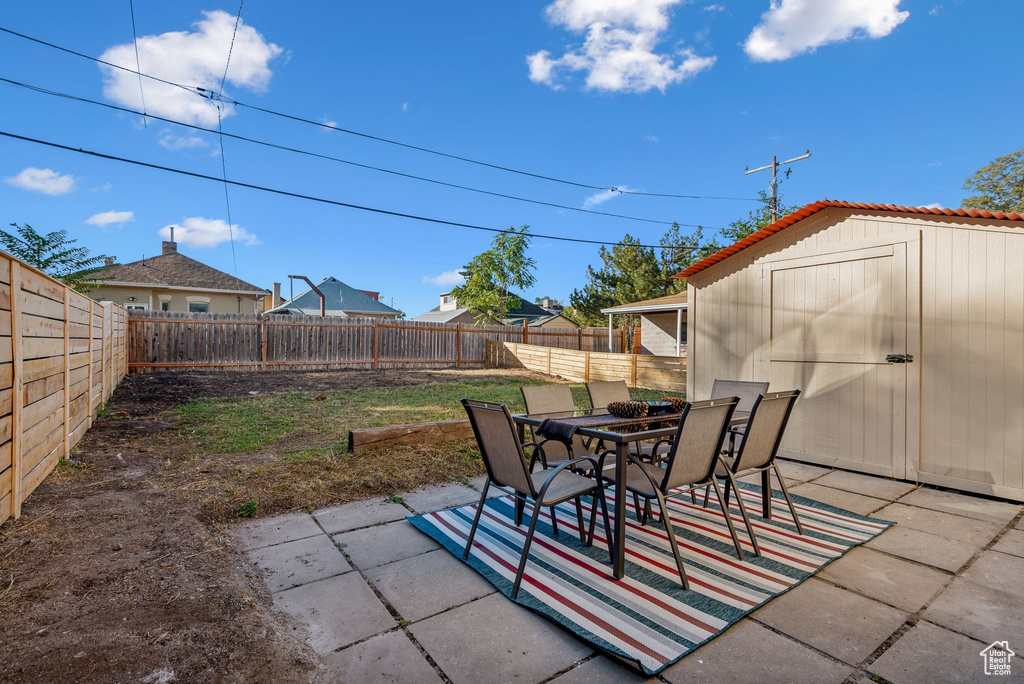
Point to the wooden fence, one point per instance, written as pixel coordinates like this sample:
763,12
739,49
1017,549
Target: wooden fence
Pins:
161,340
61,356
638,370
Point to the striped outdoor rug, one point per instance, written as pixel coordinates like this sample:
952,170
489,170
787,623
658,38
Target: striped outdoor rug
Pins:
647,618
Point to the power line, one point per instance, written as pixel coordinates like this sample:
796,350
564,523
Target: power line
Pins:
322,200
293,117
318,155
138,64
220,138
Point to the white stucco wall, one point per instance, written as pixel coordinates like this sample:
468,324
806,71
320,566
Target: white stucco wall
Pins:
658,333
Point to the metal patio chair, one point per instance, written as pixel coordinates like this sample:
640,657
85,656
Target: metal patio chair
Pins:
692,459
554,401
762,437
748,392
508,469
604,392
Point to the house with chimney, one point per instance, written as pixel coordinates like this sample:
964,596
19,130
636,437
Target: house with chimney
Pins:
339,299
175,282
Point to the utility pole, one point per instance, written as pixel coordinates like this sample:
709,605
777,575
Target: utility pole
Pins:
774,166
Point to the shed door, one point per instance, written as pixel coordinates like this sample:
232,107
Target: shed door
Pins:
834,320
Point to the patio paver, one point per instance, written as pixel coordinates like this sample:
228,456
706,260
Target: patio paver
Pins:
997,571
298,562
429,583
495,640
601,670
927,653
427,499
336,611
981,612
387,657
1011,543
793,470
276,530
898,582
477,483
923,547
749,652
975,507
858,503
868,485
373,546
843,624
359,514
968,530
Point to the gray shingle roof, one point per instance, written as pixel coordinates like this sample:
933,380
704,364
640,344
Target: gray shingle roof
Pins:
341,300
176,270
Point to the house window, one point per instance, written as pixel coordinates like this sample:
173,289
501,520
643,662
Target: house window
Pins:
198,307
135,306
165,306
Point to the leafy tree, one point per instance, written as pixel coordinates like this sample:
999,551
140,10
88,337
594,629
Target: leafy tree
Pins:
756,219
999,185
55,255
490,275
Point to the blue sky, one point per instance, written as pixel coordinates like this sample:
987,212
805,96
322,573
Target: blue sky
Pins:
898,100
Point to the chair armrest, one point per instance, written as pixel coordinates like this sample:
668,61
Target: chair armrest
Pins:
568,464
537,450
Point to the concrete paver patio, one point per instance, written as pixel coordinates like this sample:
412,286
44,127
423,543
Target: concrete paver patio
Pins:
381,602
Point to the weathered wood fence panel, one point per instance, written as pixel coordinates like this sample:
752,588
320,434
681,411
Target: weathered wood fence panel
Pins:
652,372
61,356
203,341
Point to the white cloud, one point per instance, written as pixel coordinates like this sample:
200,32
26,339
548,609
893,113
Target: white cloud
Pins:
793,27
934,11
651,138
602,196
405,106
934,205
46,181
618,52
714,8
191,58
203,232
106,218
328,122
446,279
173,141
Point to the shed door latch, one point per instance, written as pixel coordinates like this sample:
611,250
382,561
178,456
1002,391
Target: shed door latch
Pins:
899,358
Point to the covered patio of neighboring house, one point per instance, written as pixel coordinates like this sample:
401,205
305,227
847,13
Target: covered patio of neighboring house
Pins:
662,324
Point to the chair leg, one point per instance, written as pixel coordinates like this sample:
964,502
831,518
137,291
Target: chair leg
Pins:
607,526
579,520
526,549
476,518
789,501
672,540
520,504
554,520
707,495
766,494
647,511
637,509
728,518
743,512
693,496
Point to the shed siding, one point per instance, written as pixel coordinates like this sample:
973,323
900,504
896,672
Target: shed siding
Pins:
971,363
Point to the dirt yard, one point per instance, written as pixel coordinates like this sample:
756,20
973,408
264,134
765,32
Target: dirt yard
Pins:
122,567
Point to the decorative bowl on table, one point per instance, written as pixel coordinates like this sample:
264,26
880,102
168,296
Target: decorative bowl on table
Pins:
656,407
628,409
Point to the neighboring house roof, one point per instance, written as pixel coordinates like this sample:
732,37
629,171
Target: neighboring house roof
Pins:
176,270
670,302
525,310
435,315
550,317
815,207
340,300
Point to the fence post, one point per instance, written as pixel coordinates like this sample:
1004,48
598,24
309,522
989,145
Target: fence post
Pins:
579,338
526,332
67,378
17,389
632,373
88,401
458,345
549,360
264,330
586,367
376,348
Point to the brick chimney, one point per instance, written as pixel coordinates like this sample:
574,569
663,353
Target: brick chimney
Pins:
277,295
109,261
169,246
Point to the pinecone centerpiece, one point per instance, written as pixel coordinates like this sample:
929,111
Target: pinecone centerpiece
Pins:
677,403
628,409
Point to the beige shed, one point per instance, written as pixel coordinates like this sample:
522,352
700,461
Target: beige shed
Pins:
903,327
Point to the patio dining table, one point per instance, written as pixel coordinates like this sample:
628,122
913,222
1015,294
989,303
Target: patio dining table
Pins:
618,433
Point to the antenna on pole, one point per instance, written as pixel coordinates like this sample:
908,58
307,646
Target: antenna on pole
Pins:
774,166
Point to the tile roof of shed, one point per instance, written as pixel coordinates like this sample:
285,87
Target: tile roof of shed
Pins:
814,207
